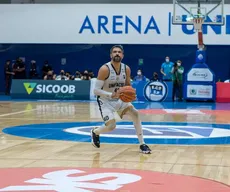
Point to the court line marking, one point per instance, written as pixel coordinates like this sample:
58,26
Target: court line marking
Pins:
18,112
46,118
109,161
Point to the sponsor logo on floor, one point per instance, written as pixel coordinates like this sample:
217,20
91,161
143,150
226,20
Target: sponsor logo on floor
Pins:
154,132
97,179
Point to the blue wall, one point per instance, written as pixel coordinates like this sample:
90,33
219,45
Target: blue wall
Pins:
93,56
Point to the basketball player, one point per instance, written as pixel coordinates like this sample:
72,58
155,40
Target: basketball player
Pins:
112,76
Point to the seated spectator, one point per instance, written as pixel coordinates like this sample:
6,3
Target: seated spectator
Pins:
91,74
140,76
49,76
67,74
61,76
85,76
78,75
72,77
155,77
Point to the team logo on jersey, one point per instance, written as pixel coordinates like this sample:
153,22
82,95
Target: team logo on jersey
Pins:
112,85
155,91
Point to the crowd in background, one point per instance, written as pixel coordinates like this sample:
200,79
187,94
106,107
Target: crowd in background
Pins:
17,70
170,71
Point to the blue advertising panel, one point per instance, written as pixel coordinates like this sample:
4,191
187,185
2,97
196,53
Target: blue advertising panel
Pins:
50,89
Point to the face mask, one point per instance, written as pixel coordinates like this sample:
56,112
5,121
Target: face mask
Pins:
179,64
62,73
138,73
167,60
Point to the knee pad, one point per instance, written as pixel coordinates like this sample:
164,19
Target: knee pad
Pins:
111,125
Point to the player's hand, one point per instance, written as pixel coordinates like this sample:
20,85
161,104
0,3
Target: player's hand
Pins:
116,93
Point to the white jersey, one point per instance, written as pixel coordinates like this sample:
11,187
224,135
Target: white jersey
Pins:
107,107
115,80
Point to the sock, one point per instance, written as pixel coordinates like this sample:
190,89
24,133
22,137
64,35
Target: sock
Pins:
137,124
106,128
139,131
102,129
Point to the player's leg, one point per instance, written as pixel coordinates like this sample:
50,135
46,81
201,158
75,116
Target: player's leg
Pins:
130,111
95,133
107,114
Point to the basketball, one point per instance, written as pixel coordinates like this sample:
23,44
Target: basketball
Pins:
128,94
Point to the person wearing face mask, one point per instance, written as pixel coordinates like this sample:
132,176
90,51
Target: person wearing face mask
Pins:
177,78
49,76
155,77
46,67
166,69
140,76
33,73
85,75
78,76
61,76
19,68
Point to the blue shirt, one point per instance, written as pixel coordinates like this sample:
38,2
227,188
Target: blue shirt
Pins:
140,78
167,68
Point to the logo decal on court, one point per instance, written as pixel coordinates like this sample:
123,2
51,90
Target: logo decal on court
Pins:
91,180
154,132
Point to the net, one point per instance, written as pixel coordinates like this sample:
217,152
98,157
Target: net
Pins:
197,22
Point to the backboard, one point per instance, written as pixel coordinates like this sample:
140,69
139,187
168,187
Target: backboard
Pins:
184,11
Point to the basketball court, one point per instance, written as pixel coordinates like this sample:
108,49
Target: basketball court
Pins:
46,145
38,138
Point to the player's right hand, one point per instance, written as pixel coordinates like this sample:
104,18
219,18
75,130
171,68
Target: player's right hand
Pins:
116,93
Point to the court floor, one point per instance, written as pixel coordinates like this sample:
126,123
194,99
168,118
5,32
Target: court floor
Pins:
186,139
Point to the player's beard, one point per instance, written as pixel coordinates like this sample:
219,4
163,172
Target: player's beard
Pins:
117,58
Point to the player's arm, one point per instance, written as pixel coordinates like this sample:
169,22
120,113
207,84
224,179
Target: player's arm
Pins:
103,73
128,76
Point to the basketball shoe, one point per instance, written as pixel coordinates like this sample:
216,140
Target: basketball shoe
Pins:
95,139
145,149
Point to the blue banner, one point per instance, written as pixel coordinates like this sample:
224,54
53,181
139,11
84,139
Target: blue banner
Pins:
153,91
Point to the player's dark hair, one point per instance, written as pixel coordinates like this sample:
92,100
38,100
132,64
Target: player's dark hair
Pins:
117,46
